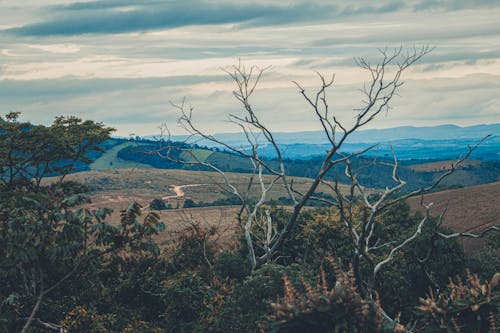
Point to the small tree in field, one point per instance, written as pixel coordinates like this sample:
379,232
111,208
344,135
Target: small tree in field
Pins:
359,209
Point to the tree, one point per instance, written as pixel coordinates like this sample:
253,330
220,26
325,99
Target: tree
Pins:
47,235
35,151
359,208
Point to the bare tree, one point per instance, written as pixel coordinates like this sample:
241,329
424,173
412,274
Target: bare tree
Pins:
262,236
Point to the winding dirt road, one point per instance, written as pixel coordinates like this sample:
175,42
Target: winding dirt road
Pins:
179,192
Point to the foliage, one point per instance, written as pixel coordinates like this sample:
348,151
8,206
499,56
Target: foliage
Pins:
47,235
233,266
83,320
34,151
140,326
195,247
321,308
229,201
488,260
466,306
159,204
63,266
252,300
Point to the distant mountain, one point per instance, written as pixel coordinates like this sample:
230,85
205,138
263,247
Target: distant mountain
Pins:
409,142
441,132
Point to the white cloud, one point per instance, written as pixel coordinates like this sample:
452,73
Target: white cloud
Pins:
457,83
56,48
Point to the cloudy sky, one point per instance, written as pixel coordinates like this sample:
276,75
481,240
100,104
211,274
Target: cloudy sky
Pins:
122,62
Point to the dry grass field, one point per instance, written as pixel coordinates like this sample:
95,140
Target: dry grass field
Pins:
469,209
146,184
117,188
442,165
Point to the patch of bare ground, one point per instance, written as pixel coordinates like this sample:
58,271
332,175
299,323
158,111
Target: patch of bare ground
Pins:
469,209
442,165
201,186
116,189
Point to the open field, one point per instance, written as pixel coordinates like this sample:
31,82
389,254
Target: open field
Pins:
118,188
147,184
110,159
469,209
196,155
442,165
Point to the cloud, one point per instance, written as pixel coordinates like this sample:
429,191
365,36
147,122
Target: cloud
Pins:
453,4
122,61
102,18
124,16
56,48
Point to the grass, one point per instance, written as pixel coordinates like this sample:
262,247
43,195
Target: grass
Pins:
196,155
154,183
469,209
442,165
110,160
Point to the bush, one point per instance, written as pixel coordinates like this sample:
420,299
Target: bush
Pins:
187,294
320,308
141,327
232,266
251,301
159,204
466,306
189,203
84,320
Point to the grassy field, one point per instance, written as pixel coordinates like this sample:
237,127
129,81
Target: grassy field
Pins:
196,155
117,188
469,209
147,184
110,159
442,165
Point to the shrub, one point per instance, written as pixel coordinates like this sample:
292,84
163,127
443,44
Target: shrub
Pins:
251,301
159,204
87,320
320,308
141,327
232,265
466,306
187,293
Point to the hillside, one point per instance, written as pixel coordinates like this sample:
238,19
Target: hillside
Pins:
469,209
110,160
440,132
373,172
116,188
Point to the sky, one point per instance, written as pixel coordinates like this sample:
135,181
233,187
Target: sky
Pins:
124,62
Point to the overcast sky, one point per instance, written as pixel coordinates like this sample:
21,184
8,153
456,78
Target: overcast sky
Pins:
122,62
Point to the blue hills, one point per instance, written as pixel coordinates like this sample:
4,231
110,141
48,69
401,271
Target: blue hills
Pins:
409,142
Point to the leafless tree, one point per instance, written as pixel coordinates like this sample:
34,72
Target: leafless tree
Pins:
262,236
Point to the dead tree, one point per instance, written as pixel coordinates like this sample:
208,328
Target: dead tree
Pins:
263,239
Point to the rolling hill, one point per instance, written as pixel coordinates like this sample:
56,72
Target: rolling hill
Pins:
469,209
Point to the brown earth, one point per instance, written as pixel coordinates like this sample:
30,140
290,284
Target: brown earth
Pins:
117,188
442,165
469,209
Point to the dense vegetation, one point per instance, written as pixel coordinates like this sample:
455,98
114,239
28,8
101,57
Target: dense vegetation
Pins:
64,268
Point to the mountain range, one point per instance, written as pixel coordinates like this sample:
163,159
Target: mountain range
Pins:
409,142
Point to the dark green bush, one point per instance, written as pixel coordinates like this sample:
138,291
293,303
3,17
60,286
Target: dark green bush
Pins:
232,266
251,301
186,292
159,204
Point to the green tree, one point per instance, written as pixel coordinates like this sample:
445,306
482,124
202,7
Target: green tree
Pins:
32,152
47,236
